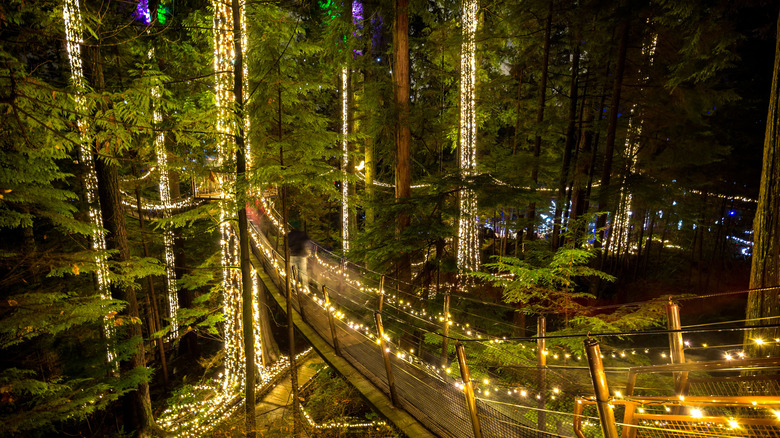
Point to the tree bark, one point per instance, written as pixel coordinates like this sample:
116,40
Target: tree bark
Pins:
243,226
765,265
582,174
567,149
151,297
403,136
539,119
609,147
137,403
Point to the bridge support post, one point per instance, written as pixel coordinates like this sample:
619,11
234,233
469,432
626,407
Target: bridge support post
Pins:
445,340
381,294
541,354
336,346
278,272
295,278
606,415
676,345
468,390
386,356
341,277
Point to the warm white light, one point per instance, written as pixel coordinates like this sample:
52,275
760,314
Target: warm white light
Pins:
696,413
620,226
165,199
344,160
224,58
74,27
468,239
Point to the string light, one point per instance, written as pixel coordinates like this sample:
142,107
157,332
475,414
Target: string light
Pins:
344,160
621,226
197,418
224,57
165,199
468,239
74,27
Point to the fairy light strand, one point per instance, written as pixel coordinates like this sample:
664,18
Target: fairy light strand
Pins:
74,26
344,160
621,225
224,57
165,200
468,241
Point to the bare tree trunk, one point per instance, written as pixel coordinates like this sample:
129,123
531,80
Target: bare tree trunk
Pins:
582,175
151,297
609,147
531,231
137,403
560,204
403,135
765,266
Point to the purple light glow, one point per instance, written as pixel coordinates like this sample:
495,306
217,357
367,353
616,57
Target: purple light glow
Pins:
357,13
142,11
357,20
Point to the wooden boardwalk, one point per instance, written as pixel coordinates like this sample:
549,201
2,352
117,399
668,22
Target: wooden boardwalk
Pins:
275,409
381,403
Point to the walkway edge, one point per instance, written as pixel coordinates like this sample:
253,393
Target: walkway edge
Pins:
398,417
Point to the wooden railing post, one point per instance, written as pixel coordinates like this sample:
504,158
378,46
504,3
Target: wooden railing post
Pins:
278,272
445,340
381,294
386,357
600,388
298,292
336,346
468,390
676,344
341,278
541,354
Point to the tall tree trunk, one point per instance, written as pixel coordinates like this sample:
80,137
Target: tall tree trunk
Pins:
515,137
609,148
765,266
137,403
567,149
403,135
243,226
288,285
189,340
582,174
539,119
151,297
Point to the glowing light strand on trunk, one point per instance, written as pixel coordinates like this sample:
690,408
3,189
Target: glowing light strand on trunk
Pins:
468,242
71,13
621,223
165,200
231,280
344,160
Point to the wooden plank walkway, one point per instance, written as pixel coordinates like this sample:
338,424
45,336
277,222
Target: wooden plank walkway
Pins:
276,407
401,419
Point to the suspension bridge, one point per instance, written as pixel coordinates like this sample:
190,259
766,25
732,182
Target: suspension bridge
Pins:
412,363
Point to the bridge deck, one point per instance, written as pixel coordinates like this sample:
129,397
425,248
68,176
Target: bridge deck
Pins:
378,399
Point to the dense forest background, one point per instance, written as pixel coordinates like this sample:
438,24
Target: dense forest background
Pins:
626,135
